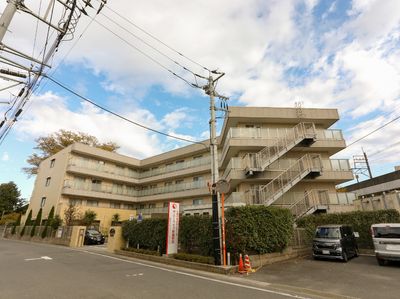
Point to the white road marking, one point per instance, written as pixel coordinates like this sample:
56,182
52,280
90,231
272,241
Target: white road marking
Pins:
200,277
39,258
134,275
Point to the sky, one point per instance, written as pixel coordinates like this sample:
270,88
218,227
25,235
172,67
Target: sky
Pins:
326,54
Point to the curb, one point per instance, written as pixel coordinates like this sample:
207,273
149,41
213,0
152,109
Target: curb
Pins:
171,261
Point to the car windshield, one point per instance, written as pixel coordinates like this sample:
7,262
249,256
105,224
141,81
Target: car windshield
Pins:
328,232
93,232
387,232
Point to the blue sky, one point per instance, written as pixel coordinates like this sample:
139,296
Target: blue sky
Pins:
339,54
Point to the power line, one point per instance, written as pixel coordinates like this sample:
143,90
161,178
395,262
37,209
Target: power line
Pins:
155,38
151,46
148,56
120,116
377,129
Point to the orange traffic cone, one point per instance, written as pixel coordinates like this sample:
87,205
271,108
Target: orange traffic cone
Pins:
247,265
241,268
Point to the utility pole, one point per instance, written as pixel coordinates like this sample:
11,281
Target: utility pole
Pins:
366,161
210,91
7,16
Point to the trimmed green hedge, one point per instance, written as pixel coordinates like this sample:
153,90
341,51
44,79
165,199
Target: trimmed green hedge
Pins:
361,222
194,258
250,229
195,235
149,233
142,251
258,229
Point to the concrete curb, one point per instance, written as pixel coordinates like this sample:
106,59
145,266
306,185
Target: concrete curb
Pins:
171,261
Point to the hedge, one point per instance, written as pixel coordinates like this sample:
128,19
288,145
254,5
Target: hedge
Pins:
258,229
361,222
250,229
149,233
195,235
194,258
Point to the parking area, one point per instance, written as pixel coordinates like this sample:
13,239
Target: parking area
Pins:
361,277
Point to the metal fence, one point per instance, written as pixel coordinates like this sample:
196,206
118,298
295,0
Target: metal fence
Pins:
299,238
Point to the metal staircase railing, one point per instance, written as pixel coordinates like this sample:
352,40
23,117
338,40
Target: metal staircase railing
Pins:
311,202
269,193
256,162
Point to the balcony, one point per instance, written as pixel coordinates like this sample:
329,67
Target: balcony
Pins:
337,170
75,188
254,138
93,168
333,198
176,167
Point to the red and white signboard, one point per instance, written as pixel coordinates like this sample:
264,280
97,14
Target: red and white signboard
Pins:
173,228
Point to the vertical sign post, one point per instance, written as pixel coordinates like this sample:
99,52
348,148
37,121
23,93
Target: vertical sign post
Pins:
173,228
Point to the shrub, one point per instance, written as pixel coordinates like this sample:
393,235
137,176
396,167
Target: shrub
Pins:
56,222
149,233
361,222
9,218
88,217
143,251
194,258
28,222
258,229
195,235
37,222
16,223
48,222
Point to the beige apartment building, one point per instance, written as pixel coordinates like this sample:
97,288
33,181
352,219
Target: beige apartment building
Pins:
269,156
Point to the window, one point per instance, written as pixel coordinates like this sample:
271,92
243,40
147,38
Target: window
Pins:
206,213
96,185
197,178
168,183
129,207
48,181
178,182
197,157
75,202
42,203
92,203
115,205
197,202
141,206
52,162
152,205
166,204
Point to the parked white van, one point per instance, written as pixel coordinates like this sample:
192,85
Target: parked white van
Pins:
386,237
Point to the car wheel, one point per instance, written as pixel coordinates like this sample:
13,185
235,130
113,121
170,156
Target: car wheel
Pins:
345,257
381,262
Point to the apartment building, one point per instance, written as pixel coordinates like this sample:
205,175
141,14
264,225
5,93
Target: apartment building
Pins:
269,156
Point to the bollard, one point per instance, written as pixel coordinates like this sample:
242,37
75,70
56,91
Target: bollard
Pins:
229,258
137,246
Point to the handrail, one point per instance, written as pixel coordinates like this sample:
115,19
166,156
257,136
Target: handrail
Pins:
268,193
261,160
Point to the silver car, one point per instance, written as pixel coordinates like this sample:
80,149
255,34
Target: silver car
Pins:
386,237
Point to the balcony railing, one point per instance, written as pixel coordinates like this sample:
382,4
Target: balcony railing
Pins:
110,189
117,190
106,168
173,188
274,133
176,167
126,172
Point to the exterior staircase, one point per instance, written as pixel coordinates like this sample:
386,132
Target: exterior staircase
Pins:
258,162
308,165
312,202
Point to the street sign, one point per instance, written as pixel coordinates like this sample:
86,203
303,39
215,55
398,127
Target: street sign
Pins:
173,228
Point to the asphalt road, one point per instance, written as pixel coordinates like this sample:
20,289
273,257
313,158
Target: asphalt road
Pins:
31,270
361,277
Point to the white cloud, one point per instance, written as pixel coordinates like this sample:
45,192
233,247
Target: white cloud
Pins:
5,157
49,113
